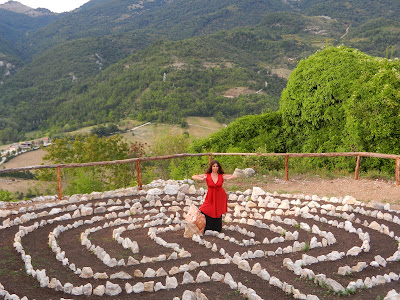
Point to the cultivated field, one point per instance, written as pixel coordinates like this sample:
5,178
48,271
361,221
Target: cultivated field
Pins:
31,158
198,127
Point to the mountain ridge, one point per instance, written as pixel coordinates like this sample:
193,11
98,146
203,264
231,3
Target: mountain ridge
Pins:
20,8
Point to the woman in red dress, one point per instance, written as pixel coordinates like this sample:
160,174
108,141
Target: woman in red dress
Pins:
215,204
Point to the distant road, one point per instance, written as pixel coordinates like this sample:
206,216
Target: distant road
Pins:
139,126
347,31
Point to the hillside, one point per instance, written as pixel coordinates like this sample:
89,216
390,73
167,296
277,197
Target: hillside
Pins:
201,68
178,19
53,83
181,19
14,27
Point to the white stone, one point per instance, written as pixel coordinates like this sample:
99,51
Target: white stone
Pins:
307,273
86,211
359,267
100,276
159,286
336,286
308,260
128,288
187,278
275,282
256,193
375,226
112,289
354,251
244,265
189,295
228,279
87,289
149,286
334,255
155,191
120,275
149,273
344,270
171,189
202,277
87,272
217,276
380,260
138,288
264,275
99,290
256,268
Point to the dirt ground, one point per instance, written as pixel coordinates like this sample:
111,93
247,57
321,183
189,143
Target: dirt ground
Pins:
36,245
15,280
364,190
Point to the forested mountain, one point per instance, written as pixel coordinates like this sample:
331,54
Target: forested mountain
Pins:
176,20
180,19
14,28
83,67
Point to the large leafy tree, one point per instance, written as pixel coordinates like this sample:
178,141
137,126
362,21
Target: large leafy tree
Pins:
340,99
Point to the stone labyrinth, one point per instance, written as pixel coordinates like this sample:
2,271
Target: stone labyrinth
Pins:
129,244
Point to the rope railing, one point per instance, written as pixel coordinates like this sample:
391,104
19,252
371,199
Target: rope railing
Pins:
138,161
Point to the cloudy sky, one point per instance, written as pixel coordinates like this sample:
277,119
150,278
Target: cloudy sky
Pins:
53,5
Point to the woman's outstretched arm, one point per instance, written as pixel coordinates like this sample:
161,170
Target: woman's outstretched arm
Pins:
230,176
199,177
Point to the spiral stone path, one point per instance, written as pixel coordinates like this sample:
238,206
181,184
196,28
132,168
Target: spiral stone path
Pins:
130,243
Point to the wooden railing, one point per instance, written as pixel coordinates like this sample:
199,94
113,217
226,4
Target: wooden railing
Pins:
138,161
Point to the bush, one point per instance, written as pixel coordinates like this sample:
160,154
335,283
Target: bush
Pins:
6,196
23,175
90,149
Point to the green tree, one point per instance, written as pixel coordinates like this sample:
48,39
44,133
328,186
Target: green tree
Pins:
341,99
90,149
168,145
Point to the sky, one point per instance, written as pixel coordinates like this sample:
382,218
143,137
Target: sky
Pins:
57,6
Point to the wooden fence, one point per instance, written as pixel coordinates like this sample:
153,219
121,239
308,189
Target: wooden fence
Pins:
138,161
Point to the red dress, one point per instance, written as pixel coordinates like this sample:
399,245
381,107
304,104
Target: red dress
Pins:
216,202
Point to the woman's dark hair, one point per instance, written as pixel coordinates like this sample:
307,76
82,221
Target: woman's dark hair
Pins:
213,162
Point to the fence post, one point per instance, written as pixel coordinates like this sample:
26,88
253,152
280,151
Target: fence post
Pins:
397,171
210,158
357,171
59,183
139,175
286,167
